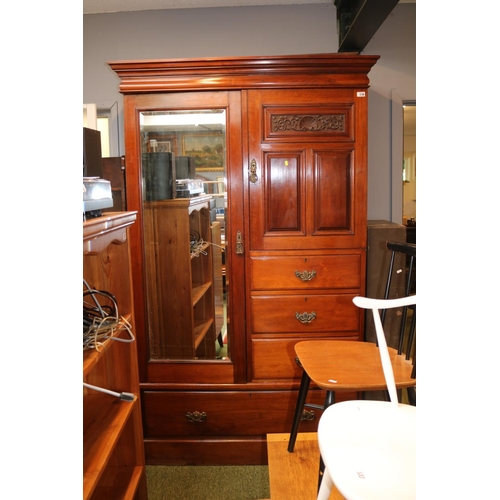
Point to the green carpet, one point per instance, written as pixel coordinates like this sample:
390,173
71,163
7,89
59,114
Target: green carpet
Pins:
208,482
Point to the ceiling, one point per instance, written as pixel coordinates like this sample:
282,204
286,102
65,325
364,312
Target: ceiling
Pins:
103,6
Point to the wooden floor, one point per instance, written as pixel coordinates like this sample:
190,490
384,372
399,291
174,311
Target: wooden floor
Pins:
294,475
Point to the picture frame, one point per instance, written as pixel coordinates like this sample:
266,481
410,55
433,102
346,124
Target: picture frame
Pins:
207,149
164,147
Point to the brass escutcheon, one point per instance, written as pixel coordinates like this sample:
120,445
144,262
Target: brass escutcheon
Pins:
253,172
239,243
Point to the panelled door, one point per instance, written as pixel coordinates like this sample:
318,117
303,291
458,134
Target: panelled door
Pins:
307,214
307,186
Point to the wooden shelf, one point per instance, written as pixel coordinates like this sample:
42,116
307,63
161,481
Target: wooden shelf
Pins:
200,331
104,418
119,483
199,292
91,357
203,248
113,452
100,232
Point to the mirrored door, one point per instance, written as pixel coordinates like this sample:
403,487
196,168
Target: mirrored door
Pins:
183,164
185,177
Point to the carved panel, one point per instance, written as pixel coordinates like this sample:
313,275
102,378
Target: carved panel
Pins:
308,123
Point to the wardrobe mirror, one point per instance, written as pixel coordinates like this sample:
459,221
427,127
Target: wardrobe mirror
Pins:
409,163
183,161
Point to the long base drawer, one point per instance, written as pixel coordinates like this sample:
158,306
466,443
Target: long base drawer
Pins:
220,428
244,450
224,413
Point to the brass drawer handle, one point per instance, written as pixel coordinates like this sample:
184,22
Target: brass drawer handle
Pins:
305,275
305,317
307,415
196,416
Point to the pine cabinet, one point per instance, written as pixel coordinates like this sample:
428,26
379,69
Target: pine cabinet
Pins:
113,448
179,277
292,149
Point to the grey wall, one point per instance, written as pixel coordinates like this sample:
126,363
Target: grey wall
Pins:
275,30
394,73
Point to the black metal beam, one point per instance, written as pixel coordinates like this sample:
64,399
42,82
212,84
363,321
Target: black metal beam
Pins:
359,20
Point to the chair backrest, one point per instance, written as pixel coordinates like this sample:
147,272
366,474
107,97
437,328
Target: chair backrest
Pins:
376,305
408,251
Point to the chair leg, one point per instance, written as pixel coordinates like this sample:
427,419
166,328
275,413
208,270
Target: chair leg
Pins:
329,400
301,399
325,489
412,396
321,473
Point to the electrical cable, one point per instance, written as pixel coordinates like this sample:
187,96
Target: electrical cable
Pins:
106,329
91,292
102,322
197,247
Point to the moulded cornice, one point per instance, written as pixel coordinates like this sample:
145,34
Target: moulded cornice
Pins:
229,73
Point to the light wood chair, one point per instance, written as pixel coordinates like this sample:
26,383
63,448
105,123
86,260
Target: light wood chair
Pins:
347,366
369,447
350,366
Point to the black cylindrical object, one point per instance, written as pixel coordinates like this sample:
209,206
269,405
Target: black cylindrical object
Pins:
185,167
158,176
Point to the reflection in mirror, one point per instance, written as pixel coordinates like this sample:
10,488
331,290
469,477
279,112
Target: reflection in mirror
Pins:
183,162
409,163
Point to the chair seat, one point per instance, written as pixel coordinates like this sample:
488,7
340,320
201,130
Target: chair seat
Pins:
369,450
327,360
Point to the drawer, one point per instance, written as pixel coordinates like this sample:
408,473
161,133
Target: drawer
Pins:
227,413
306,272
290,314
274,359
